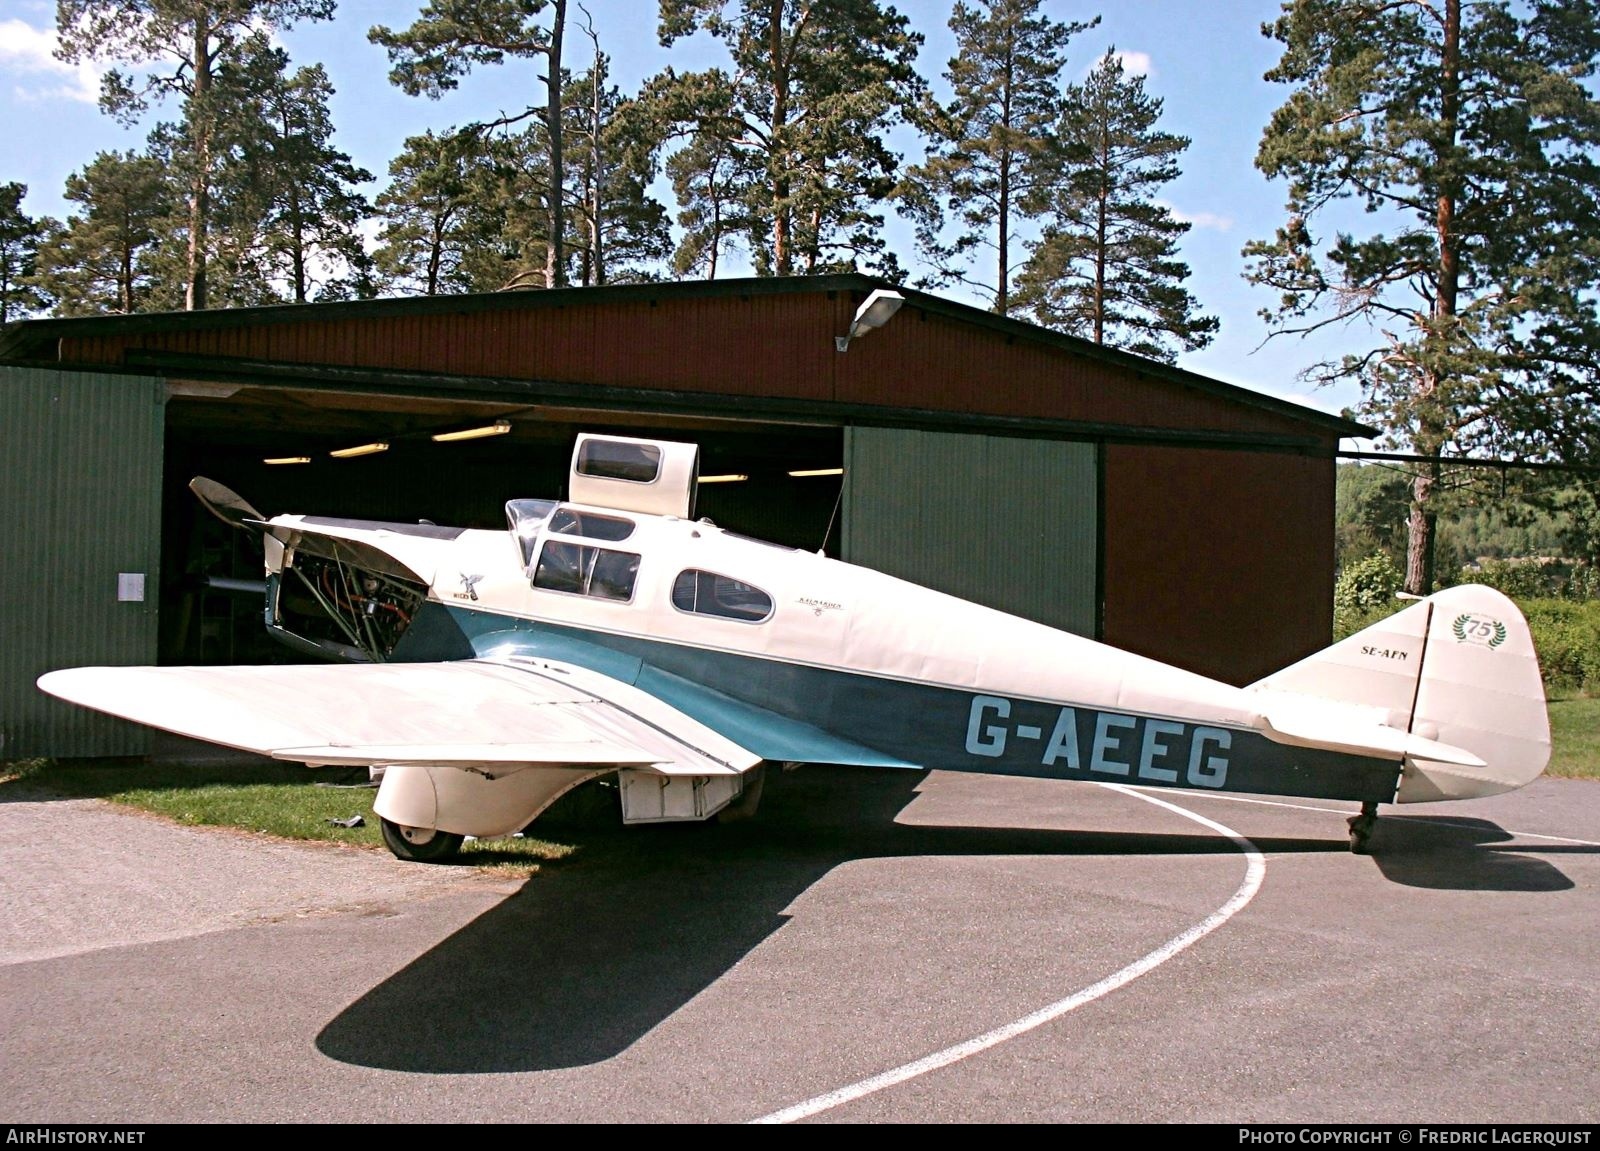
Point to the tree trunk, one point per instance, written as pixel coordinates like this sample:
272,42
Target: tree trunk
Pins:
1102,236
1002,295
597,181
1431,430
1420,532
200,188
435,255
125,270
781,256
298,255
555,268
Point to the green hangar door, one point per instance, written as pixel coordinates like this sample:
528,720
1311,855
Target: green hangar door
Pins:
81,511
1008,522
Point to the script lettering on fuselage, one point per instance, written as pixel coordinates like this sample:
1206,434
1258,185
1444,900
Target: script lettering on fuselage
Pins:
1142,748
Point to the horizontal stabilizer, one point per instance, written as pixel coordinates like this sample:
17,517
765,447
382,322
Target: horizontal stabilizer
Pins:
1338,732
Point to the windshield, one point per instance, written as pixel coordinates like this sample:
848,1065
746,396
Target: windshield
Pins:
525,518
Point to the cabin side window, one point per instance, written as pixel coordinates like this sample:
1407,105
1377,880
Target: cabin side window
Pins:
613,460
707,593
581,569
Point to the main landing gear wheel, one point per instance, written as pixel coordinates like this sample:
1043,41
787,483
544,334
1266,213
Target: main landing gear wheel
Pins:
420,844
749,799
1361,828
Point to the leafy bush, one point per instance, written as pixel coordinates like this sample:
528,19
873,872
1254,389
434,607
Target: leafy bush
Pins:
1364,593
1583,582
1521,578
1368,583
1566,635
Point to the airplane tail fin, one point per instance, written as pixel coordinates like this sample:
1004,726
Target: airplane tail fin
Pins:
1450,684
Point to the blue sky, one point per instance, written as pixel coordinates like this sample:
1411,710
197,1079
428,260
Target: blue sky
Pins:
1205,61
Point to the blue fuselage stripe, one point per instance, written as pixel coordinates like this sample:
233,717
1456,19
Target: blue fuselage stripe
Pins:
782,710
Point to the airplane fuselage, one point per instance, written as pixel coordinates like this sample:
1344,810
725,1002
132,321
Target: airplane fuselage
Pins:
802,658
487,673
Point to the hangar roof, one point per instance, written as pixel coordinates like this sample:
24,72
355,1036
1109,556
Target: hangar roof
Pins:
761,347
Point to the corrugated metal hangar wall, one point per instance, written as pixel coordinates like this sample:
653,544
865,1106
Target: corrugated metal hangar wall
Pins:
80,510
1002,521
1163,512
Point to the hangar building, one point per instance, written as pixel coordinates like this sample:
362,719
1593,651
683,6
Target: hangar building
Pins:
1140,504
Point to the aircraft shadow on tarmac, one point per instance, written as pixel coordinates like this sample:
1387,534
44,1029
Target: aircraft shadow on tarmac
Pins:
1449,852
596,952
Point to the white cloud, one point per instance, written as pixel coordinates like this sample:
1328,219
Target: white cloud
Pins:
1206,220
1136,63
370,230
1319,400
26,53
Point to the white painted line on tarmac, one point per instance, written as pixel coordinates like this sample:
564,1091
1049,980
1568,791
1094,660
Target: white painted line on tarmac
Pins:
1260,802
1451,819
1255,873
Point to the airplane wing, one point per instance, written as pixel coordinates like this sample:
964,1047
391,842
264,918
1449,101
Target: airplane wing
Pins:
470,714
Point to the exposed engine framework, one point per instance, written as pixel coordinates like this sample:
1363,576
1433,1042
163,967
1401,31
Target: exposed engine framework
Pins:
339,607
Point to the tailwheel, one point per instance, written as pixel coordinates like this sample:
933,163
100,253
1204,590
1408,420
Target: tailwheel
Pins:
1361,828
420,844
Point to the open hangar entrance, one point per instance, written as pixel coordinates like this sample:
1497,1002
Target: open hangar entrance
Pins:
1009,521
210,612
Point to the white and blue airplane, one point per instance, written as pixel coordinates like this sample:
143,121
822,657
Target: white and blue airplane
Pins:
489,672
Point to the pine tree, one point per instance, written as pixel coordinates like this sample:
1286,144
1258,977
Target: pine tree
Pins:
1449,148
19,247
187,41
107,258
714,188
623,229
288,184
1106,266
813,89
434,214
450,38
455,212
986,147
516,173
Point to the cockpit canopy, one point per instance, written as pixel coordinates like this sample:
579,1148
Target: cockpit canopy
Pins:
611,472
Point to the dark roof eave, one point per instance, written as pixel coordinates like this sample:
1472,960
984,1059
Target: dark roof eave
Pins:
30,340
522,392
1139,365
